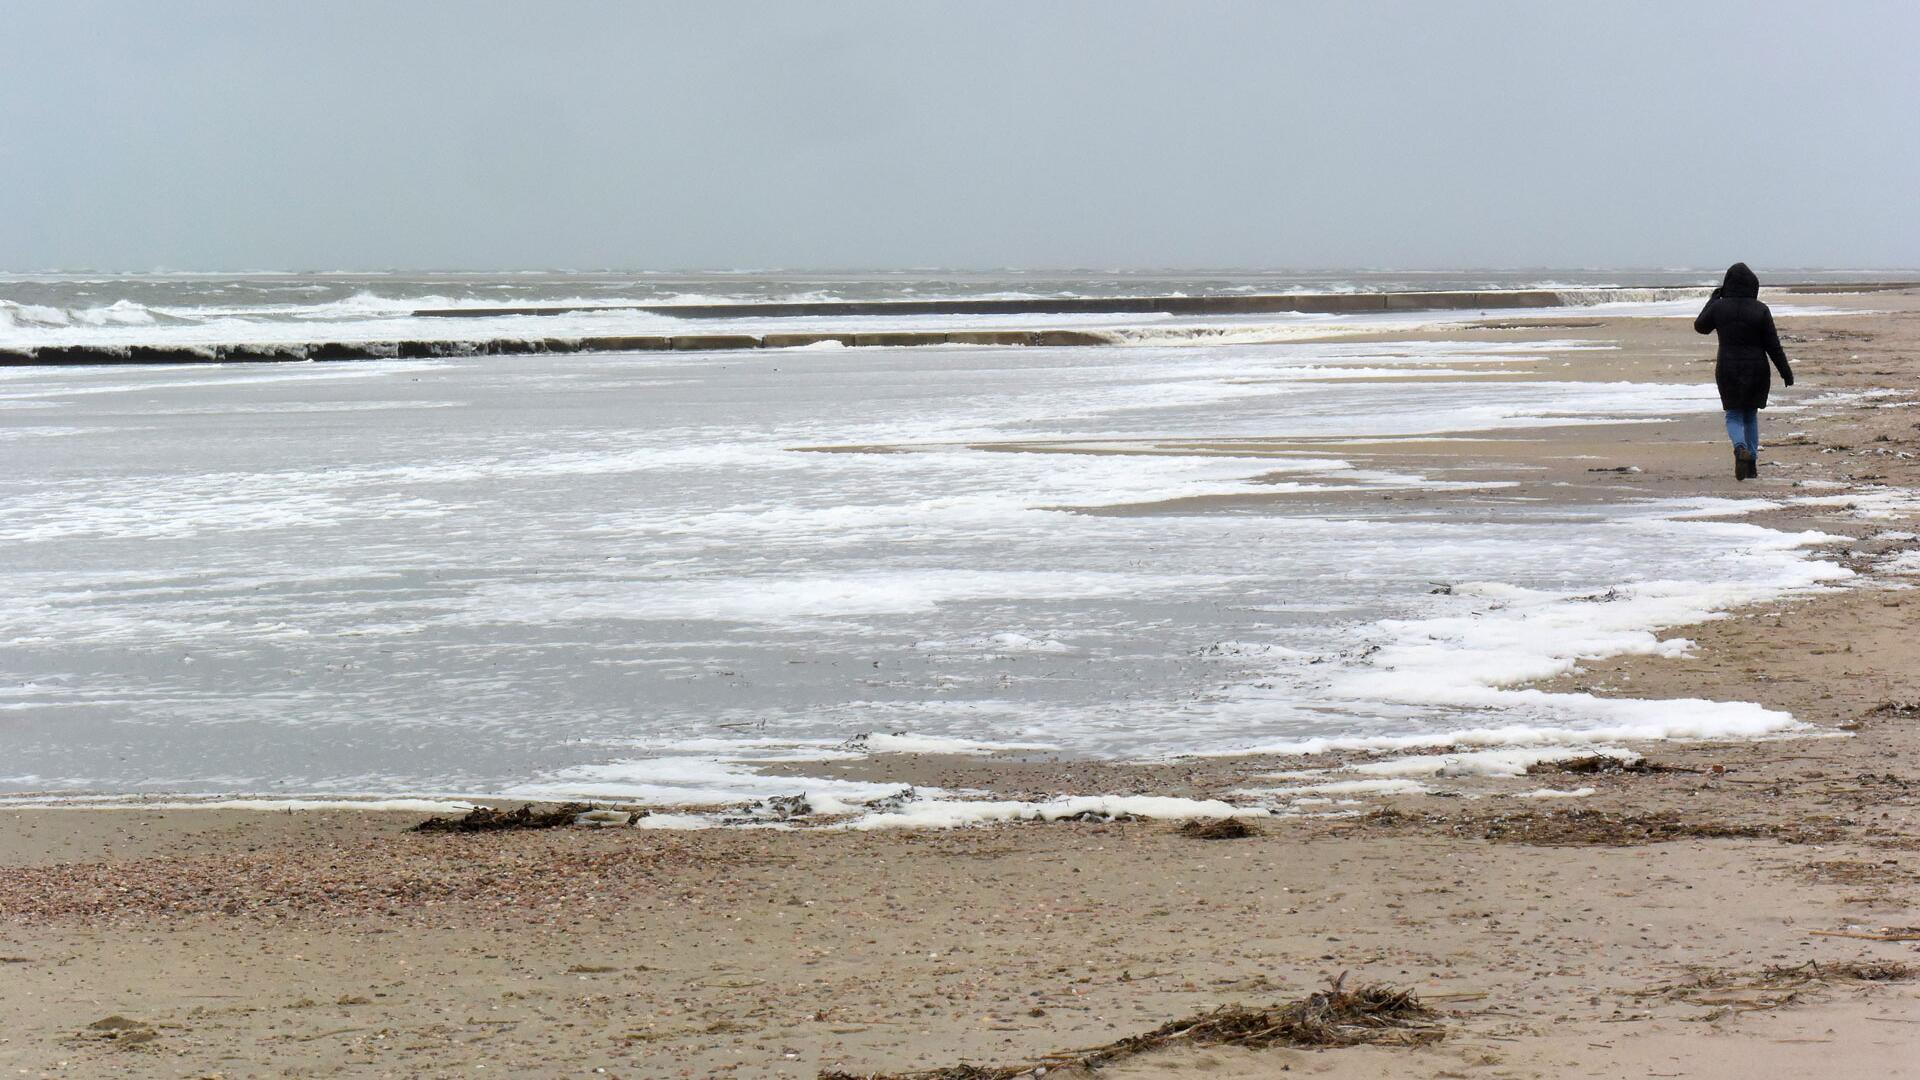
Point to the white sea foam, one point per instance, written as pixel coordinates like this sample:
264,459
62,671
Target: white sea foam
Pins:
951,813
677,822
1887,504
901,742
1906,562
1387,786
799,599
1005,642
1489,637
693,781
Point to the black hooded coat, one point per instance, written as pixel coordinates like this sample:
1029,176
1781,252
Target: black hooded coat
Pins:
1747,341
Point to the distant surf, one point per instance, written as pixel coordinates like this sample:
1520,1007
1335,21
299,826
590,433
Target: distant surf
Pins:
196,318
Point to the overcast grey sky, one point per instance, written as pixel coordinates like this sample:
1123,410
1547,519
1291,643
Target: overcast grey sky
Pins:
843,133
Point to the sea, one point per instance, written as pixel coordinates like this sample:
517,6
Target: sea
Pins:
650,576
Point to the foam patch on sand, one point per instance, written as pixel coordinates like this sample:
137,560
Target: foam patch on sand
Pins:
1394,786
1907,562
693,781
676,822
1403,775
953,813
905,808
1734,721
1520,635
901,742
1888,504
1475,654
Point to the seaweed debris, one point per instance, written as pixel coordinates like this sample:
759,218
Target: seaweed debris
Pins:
1858,872
1333,1017
1777,985
489,819
1230,828
1604,765
123,1032
1598,827
1885,933
1576,827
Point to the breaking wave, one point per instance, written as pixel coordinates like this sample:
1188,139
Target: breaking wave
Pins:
118,313
1596,297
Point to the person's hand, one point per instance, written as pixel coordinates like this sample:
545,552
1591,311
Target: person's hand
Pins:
1787,379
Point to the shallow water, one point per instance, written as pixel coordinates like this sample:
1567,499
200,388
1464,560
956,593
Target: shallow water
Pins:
626,574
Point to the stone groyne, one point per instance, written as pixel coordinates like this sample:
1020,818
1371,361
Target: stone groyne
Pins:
73,355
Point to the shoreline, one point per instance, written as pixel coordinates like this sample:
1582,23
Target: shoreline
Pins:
1641,929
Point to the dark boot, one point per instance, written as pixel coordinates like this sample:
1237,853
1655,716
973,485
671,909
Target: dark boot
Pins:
1743,464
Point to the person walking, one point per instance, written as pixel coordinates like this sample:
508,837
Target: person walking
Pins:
1747,341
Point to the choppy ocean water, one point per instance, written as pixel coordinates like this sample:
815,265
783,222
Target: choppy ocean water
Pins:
193,309
639,574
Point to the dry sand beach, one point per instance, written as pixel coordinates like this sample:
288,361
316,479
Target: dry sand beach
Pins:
1719,909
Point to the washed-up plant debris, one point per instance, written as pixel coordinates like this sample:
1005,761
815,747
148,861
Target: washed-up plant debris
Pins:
1218,829
1375,1013
1774,986
1603,765
1574,827
490,819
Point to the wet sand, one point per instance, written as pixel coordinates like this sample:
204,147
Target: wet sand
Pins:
1626,933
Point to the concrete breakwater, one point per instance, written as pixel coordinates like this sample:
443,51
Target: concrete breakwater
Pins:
437,348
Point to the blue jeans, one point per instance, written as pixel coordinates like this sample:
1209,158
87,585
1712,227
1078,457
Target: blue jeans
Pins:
1743,427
